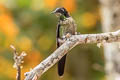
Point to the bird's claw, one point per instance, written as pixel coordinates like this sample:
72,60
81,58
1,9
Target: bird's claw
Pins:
68,35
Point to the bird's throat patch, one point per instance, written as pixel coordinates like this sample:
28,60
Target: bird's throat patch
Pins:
62,17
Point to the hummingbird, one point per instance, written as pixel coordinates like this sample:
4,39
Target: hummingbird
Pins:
66,26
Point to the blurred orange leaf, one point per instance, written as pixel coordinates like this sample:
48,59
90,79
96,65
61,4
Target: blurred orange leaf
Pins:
33,58
7,25
70,5
6,68
50,3
88,20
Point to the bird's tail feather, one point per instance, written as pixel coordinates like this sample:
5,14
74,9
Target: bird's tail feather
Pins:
61,66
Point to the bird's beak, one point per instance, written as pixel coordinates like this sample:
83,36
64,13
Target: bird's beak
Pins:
53,12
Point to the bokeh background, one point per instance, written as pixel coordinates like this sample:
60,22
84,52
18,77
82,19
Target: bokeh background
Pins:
29,26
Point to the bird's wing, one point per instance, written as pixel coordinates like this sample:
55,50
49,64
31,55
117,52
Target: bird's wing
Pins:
58,34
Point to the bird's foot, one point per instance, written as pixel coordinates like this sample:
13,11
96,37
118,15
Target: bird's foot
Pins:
68,35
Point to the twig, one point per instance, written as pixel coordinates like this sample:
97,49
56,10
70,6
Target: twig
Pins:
67,46
18,61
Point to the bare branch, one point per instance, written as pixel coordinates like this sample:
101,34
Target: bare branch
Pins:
67,46
18,61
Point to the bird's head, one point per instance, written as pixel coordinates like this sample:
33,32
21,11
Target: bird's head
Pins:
61,12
